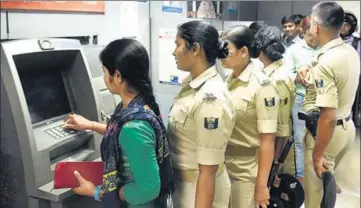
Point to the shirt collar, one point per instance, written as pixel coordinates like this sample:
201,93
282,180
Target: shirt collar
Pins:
304,45
297,39
294,40
348,39
272,67
201,79
333,43
245,75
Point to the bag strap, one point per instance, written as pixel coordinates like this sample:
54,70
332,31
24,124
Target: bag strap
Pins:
355,42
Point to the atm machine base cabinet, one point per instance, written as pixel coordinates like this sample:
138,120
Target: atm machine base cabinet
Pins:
71,202
42,81
13,193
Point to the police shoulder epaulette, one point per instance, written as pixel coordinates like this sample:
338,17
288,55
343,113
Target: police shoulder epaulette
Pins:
280,81
316,58
280,78
262,78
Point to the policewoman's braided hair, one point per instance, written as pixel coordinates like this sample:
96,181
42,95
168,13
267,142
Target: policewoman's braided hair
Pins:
131,59
268,40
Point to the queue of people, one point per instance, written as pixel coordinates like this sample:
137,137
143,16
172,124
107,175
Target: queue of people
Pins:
222,136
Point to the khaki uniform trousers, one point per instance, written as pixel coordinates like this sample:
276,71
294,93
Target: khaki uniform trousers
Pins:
242,195
185,191
243,187
340,143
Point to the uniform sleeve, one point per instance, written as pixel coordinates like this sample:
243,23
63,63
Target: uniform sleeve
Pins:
212,123
326,91
267,107
137,139
284,114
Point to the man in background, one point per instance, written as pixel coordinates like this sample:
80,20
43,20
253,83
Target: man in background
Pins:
298,20
297,56
348,31
290,31
348,35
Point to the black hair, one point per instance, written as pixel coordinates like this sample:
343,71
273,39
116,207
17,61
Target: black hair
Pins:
329,14
242,36
131,59
288,19
257,25
298,18
206,36
268,40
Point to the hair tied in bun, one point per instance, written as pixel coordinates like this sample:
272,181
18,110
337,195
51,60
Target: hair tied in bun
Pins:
223,49
258,44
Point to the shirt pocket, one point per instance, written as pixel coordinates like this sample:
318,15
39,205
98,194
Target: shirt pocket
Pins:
244,105
180,118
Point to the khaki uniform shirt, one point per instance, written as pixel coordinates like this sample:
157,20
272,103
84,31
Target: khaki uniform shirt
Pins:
257,107
285,87
200,122
335,72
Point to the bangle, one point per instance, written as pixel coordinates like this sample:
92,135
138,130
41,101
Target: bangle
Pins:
97,193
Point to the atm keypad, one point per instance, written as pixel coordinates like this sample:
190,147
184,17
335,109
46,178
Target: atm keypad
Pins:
59,132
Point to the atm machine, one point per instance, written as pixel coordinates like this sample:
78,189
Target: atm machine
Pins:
42,81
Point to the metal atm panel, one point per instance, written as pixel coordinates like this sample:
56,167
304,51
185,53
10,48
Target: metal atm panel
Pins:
42,81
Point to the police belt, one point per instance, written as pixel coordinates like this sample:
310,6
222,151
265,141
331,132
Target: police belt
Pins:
311,119
339,121
191,175
241,151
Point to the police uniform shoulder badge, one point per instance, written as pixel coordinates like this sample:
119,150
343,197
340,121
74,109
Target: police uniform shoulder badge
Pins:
270,102
209,97
319,83
211,123
284,101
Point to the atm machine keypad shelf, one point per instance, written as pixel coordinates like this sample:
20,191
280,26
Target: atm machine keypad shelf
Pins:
59,132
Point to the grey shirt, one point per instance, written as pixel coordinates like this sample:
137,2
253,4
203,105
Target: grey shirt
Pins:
287,42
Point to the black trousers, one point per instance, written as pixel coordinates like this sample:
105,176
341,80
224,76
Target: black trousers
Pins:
356,107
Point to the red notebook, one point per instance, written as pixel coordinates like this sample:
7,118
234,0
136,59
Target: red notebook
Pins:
64,173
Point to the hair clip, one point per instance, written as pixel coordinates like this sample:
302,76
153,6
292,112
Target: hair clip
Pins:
223,49
258,44
270,33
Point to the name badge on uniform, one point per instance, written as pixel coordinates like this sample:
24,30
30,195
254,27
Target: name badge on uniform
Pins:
209,97
210,123
284,101
269,102
319,83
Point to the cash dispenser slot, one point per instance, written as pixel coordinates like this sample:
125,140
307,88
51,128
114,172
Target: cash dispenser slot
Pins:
76,150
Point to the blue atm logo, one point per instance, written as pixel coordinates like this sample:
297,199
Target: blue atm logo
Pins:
174,79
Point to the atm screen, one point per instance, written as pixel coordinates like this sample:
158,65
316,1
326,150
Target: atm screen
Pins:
44,90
